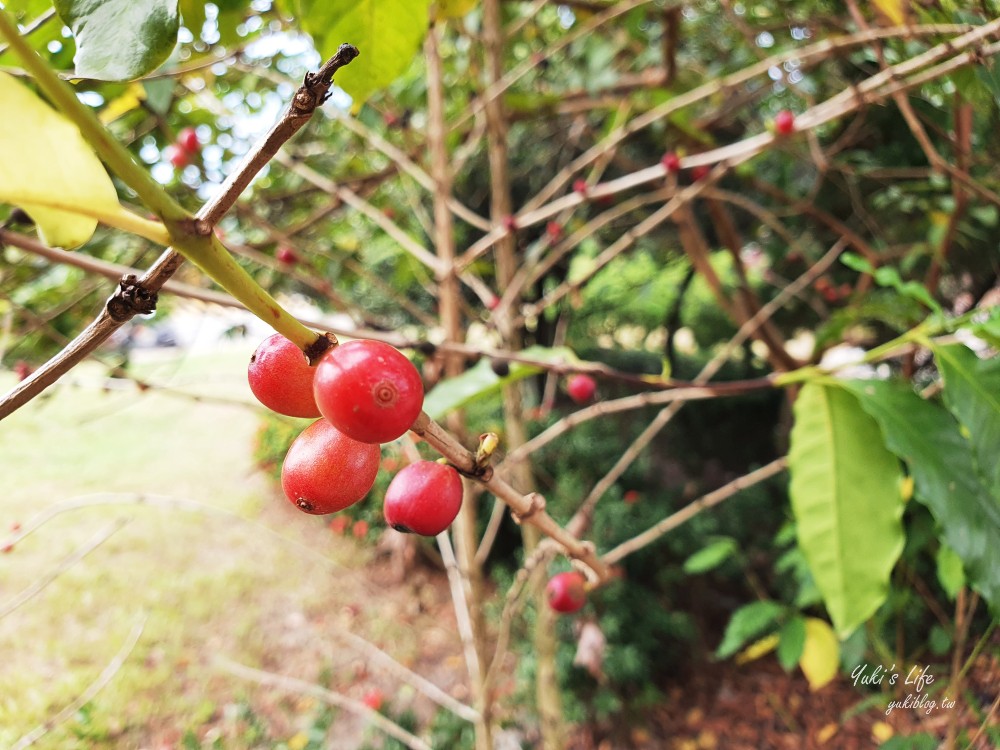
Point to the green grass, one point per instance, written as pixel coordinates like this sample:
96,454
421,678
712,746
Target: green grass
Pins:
220,580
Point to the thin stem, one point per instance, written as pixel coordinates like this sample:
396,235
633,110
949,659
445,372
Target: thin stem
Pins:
689,511
107,674
301,687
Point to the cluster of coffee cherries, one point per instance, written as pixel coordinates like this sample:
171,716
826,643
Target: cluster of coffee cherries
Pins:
364,393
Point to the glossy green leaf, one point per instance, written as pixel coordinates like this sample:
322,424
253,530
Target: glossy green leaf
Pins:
972,394
480,381
388,35
749,621
939,457
791,641
47,169
846,501
710,556
118,40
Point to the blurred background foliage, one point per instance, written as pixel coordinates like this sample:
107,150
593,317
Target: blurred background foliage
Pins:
644,312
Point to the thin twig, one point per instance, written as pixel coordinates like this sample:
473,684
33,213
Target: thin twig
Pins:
689,511
419,682
106,675
309,96
461,604
301,687
65,564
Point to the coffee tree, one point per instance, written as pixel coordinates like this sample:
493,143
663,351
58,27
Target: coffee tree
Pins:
654,254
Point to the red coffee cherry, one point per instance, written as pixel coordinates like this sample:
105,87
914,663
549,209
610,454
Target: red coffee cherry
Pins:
671,162
581,388
326,471
423,498
281,379
285,254
566,592
188,140
369,390
784,122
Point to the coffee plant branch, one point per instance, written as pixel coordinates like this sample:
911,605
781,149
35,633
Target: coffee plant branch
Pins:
210,252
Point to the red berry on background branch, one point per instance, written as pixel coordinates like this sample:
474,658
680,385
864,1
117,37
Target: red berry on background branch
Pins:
285,254
281,379
373,699
554,231
188,140
580,186
784,122
700,172
177,156
368,390
566,592
671,162
423,498
581,388
510,223
326,471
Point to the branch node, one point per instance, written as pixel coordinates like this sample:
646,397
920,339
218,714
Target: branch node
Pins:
131,299
319,347
537,505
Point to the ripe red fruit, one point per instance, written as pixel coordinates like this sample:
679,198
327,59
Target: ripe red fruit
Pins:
285,254
581,388
326,471
281,379
177,156
784,122
700,172
339,524
22,369
493,302
554,231
373,699
580,186
369,390
360,529
566,592
631,496
188,140
423,498
671,162
510,223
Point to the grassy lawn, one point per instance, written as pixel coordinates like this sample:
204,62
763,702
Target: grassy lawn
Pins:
233,571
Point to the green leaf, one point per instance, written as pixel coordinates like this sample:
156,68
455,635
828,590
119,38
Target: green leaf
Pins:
749,621
950,574
48,169
388,35
929,439
911,742
846,501
480,381
710,557
118,40
791,641
972,394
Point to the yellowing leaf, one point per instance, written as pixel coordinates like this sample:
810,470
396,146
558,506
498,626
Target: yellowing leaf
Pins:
756,650
124,104
906,489
825,734
882,731
452,8
894,10
820,654
47,169
298,741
